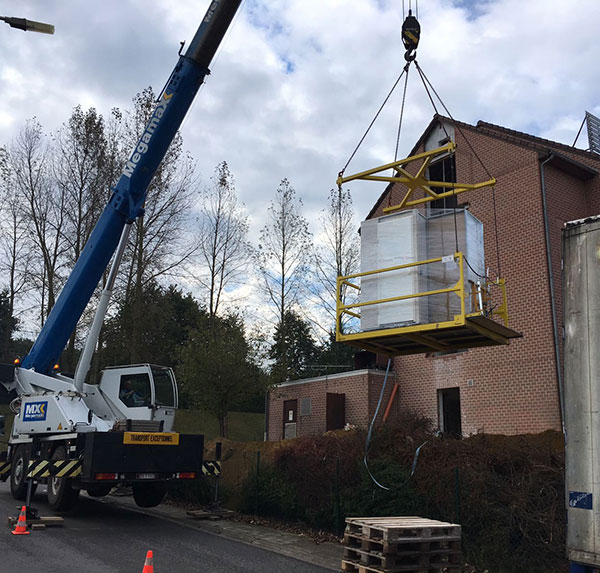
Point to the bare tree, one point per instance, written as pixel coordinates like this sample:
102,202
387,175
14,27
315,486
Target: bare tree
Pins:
15,243
80,174
283,252
44,206
80,148
159,244
337,253
223,231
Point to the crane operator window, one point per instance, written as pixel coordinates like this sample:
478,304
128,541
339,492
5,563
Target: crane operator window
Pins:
163,387
134,390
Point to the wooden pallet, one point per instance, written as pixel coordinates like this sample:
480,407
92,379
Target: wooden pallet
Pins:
401,529
401,544
351,567
398,561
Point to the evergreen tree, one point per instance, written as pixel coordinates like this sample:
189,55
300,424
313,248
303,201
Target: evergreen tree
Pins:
294,349
164,326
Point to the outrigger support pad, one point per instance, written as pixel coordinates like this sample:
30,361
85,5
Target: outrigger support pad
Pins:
411,32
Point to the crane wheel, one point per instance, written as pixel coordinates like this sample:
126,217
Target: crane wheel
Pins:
61,493
18,474
148,494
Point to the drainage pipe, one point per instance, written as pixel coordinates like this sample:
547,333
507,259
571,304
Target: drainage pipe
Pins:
559,377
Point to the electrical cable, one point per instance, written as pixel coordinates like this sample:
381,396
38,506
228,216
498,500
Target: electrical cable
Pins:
370,435
370,432
474,271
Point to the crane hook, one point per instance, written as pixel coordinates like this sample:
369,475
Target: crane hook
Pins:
411,32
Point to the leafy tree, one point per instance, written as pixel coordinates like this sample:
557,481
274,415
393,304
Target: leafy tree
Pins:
216,370
223,230
293,349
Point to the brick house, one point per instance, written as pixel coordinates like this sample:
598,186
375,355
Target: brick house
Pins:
511,389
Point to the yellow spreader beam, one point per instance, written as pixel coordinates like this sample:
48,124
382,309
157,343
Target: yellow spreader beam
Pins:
417,181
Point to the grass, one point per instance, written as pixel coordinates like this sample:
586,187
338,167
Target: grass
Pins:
243,426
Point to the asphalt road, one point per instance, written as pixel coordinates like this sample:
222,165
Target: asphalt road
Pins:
105,537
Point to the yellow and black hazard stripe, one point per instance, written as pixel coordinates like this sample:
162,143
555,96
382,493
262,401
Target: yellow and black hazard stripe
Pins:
211,468
54,468
4,470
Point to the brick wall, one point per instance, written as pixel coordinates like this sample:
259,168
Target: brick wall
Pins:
508,390
361,387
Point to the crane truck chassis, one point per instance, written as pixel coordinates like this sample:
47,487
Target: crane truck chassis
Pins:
77,436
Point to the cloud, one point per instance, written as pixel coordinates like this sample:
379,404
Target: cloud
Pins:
296,82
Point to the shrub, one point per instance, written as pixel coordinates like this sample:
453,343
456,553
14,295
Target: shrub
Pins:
268,491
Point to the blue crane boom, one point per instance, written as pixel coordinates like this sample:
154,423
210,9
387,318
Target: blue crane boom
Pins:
129,194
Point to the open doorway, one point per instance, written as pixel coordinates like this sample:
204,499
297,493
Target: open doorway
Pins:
449,412
290,418
335,411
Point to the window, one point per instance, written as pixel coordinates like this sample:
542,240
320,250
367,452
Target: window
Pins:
444,170
306,407
134,390
163,387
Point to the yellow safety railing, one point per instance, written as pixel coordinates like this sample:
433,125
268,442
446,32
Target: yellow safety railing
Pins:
481,301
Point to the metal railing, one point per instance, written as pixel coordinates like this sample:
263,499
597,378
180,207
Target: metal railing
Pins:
480,294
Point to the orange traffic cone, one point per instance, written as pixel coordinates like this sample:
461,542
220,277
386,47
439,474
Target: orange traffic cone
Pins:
21,527
148,566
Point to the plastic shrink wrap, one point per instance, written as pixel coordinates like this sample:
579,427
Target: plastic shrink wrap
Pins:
408,237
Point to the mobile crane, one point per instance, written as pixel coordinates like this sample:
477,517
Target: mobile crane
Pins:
77,436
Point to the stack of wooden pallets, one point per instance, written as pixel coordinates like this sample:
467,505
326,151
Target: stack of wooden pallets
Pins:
401,544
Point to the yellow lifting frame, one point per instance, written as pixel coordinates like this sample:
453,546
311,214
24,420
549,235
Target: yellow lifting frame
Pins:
418,181
424,334
342,309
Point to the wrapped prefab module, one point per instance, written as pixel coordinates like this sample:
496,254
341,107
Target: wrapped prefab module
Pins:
449,231
390,241
408,237
581,301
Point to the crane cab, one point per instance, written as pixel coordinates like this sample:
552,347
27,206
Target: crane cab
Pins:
142,392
